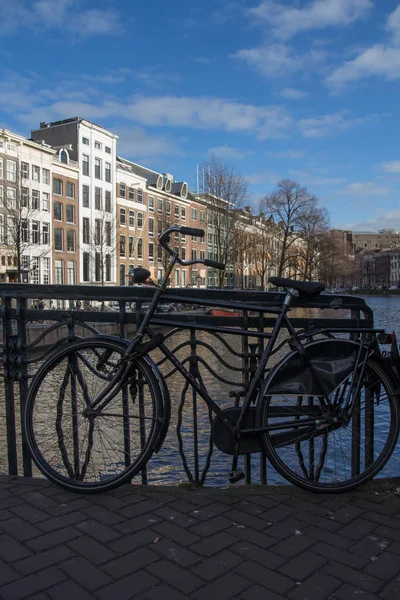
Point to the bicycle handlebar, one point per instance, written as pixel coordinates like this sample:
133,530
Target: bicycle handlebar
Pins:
165,237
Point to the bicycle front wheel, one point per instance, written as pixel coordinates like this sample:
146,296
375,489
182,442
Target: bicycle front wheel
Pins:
337,454
90,450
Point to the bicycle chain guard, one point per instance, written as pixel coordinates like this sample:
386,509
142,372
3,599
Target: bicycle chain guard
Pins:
222,437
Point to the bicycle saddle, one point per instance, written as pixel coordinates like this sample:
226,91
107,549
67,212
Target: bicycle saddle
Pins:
305,288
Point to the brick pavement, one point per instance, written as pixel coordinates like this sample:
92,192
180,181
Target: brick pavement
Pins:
174,543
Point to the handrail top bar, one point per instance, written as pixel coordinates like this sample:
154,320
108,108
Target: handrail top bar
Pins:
245,299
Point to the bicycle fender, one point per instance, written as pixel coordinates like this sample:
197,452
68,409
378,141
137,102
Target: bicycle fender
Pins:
332,359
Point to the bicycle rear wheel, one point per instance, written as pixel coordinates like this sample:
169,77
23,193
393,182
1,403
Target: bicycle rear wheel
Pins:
92,452
335,456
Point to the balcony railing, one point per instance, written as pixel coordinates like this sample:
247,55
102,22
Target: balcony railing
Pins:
225,358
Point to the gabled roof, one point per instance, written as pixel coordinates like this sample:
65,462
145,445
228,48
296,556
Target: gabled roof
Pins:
154,179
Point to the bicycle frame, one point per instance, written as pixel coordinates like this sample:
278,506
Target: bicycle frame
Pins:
121,377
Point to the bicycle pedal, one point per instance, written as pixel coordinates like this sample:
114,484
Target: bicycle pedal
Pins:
235,476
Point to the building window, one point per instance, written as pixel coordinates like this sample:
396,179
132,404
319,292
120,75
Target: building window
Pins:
97,232
86,263
151,204
97,168
131,193
108,267
85,164
71,272
70,190
57,210
11,198
159,205
183,214
140,220
176,211
35,271
45,234
59,271
11,170
122,216
1,169
201,216
97,145
85,141
2,196
46,176
202,255
183,253
45,201
194,254
25,230
107,172
140,195
85,230
194,214
58,239
122,271
140,248
64,157
35,232
131,246
36,173
70,213
85,196
57,187
122,190
24,170
70,240
151,227
122,245
98,202
168,207
35,200
131,218
151,251
107,149
108,201
159,227
177,279
46,270
108,233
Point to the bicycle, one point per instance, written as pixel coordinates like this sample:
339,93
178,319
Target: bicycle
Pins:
313,414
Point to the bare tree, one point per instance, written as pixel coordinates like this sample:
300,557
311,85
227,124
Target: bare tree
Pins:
263,248
288,204
225,193
24,233
100,241
313,224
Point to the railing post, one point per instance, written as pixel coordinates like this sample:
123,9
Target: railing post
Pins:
8,356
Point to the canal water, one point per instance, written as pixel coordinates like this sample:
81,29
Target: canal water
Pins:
166,467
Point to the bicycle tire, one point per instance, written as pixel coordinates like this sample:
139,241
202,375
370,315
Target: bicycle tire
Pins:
98,454
296,461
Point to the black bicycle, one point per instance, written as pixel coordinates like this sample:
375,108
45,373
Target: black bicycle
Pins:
326,415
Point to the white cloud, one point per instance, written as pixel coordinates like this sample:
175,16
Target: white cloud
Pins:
227,152
384,220
363,189
308,179
379,60
392,167
287,21
135,142
285,154
293,93
330,124
68,16
277,60
264,178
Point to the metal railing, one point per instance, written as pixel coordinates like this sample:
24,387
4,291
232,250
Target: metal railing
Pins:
222,351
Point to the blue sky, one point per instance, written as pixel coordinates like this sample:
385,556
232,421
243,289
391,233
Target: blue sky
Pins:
306,89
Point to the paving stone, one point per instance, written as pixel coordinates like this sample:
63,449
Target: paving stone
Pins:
265,558
84,573
42,560
293,545
47,540
357,529
133,561
255,537
213,544
214,567
317,587
358,578
265,577
224,588
128,587
342,556
175,576
391,591
386,566
303,566
347,592
25,587
98,531
12,550
211,526
177,518
7,574
176,533
19,529
69,590
176,553
89,548
164,592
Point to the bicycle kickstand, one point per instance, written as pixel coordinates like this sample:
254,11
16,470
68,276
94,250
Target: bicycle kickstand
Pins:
235,474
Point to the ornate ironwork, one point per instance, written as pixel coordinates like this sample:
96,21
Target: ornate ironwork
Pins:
222,359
